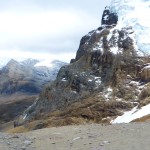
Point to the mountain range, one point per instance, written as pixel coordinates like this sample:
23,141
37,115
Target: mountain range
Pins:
28,76
108,81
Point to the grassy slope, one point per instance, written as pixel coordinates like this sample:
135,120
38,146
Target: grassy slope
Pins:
13,106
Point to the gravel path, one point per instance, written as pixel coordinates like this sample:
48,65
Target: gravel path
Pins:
88,137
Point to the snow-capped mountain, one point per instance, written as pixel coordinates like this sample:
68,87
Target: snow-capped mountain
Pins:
134,13
27,75
32,62
3,61
29,62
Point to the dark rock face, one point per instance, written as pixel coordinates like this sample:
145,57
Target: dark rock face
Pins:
109,18
83,45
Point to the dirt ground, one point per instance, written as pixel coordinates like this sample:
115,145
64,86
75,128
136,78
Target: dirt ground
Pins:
134,136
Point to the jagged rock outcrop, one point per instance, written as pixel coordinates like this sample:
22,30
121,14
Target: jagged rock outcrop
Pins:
109,18
107,72
145,72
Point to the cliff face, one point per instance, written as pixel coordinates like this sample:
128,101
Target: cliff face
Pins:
106,77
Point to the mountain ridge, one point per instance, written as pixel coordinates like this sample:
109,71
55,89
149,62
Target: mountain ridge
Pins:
25,76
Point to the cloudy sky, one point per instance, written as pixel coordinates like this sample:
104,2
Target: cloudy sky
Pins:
46,28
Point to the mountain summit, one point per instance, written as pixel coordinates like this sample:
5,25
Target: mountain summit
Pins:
110,74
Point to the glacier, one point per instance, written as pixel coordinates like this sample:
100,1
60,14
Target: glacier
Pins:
134,13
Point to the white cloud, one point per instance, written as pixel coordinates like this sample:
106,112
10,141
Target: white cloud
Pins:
36,23
37,26
47,29
22,55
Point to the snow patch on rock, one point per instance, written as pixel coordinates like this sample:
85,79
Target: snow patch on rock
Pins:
133,114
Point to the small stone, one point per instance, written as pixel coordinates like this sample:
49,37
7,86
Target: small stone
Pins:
33,138
106,142
71,144
90,136
8,143
15,136
27,142
23,148
77,138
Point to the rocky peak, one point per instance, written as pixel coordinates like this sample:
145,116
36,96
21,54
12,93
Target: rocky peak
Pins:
109,18
29,62
12,67
108,73
12,62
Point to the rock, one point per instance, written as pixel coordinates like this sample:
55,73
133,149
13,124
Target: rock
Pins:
145,73
109,18
8,143
106,142
26,77
97,84
15,136
27,142
94,70
77,138
23,147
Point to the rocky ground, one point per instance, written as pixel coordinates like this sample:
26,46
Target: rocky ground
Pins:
134,136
